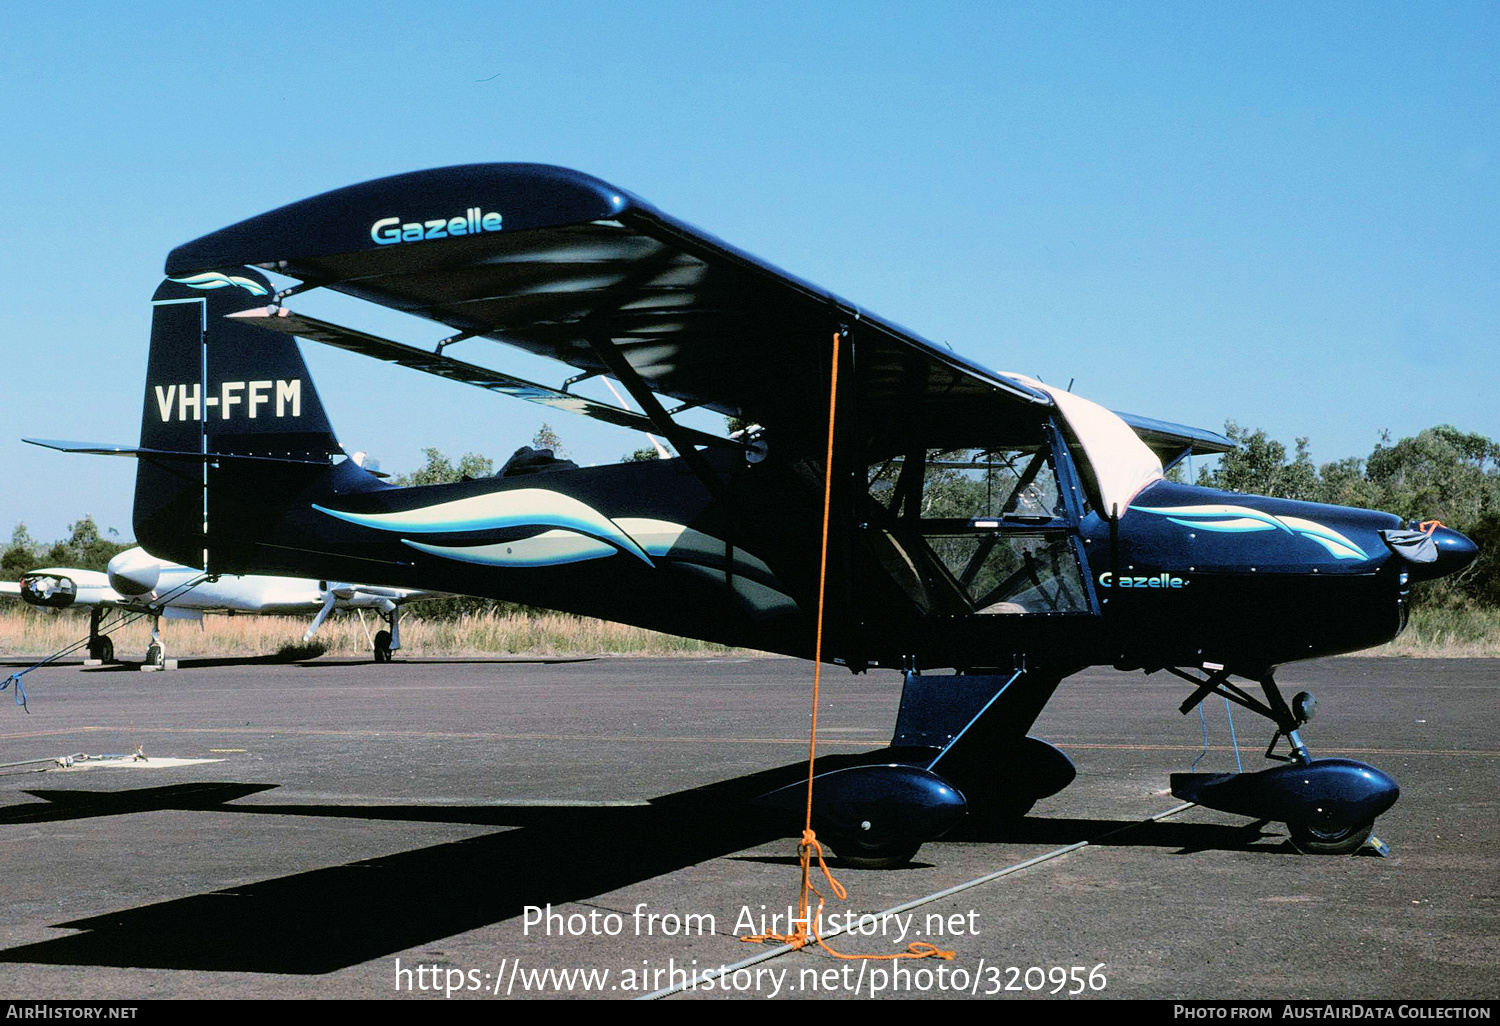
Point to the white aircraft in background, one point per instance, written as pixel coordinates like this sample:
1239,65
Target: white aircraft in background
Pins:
138,582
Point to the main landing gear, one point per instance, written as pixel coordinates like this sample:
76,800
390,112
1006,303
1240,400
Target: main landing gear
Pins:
100,645
156,652
1328,805
960,748
387,643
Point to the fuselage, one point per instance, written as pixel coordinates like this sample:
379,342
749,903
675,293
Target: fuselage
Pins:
1187,575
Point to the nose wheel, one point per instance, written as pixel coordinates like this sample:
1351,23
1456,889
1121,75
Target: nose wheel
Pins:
1328,805
1311,840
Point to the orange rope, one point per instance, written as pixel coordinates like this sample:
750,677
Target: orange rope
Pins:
1428,526
806,930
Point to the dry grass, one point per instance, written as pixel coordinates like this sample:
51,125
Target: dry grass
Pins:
1432,633
1446,634
25,631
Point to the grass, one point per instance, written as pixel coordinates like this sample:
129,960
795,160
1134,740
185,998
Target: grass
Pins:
24,631
1436,633
27,631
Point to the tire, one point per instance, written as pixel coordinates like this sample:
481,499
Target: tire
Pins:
155,656
875,856
1346,841
103,650
382,646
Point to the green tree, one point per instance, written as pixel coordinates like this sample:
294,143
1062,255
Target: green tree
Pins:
1343,483
1441,474
1260,467
85,548
546,438
641,455
21,555
1481,582
440,470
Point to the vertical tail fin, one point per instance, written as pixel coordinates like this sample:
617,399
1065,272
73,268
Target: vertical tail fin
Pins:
215,386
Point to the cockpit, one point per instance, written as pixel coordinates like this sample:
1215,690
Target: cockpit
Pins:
984,520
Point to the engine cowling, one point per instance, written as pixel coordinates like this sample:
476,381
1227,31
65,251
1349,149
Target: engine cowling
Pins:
51,591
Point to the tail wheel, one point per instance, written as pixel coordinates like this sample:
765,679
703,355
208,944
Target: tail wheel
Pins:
1345,841
382,646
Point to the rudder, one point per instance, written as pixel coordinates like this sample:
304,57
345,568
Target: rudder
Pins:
216,386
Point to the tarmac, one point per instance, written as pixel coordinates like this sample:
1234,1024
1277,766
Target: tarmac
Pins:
489,829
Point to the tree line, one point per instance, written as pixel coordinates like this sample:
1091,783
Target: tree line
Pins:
1440,474
84,548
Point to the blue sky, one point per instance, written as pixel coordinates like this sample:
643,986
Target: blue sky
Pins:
1279,214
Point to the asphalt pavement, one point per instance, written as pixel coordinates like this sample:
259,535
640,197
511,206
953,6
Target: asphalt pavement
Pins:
482,829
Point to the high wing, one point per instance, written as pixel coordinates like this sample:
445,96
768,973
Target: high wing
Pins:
567,266
283,320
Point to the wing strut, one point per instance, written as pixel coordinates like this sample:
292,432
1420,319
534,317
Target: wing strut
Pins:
301,325
681,438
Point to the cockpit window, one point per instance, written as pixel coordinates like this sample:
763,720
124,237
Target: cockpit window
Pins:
1003,571
970,484
979,529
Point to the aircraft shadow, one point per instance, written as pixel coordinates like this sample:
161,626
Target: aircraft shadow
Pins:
1188,838
328,919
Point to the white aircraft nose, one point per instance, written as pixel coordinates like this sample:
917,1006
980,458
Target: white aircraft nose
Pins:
134,572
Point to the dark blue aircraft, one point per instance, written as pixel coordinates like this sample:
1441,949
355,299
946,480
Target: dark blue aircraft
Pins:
983,524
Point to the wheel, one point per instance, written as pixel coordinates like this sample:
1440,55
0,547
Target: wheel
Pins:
1316,841
102,650
155,656
875,856
382,646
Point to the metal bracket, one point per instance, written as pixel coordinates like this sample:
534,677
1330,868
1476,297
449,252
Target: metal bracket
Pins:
295,290
1274,708
445,343
576,378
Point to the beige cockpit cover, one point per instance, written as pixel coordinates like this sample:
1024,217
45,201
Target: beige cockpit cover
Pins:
1119,462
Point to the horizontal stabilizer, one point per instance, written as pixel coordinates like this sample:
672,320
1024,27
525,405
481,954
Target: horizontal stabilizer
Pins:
283,320
109,449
